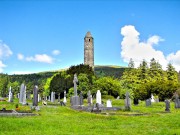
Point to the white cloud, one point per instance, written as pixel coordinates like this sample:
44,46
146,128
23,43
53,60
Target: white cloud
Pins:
56,52
20,56
2,66
133,48
44,58
5,51
175,59
21,72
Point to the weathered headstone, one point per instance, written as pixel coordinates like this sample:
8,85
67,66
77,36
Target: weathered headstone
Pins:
21,96
127,101
49,99
64,97
109,103
75,81
136,101
89,98
10,95
98,97
81,98
148,102
157,99
75,101
28,95
52,96
167,107
24,96
177,101
35,96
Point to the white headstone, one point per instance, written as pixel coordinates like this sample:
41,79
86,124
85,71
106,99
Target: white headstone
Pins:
64,97
152,98
109,103
52,96
98,97
38,97
10,95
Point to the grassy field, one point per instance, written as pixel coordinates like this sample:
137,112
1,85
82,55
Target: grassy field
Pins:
57,120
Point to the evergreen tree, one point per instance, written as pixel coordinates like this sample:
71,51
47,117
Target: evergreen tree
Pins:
171,73
131,63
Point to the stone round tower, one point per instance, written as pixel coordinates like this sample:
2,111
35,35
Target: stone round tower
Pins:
89,50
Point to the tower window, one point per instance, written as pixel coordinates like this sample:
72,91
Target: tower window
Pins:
89,40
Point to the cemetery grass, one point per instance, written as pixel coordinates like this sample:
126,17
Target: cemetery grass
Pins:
56,120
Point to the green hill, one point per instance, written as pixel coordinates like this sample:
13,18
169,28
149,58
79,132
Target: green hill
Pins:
100,71
109,70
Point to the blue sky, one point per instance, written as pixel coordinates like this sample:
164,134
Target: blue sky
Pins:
48,35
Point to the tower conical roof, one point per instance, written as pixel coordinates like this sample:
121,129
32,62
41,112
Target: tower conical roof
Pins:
88,34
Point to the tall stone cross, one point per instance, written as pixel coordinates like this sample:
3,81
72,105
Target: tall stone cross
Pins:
75,84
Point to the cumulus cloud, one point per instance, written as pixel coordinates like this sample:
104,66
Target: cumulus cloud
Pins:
5,51
56,52
174,58
2,66
131,47
20,56
44,58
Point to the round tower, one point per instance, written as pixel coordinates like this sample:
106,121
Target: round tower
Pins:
89,50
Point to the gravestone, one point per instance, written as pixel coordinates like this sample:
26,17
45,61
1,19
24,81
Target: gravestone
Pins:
152,98
21,95
52,96
81,98
148,102
177,101
109,103
24,96
98,97
18,95
75,101
10,95
136,101
127,101
28,95
167,105
157,99
64,97
89,98
49,99
35,96
38,97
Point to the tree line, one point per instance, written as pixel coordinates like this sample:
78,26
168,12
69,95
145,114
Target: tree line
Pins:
140,82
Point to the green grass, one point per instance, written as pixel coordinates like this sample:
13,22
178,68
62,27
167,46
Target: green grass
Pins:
57,120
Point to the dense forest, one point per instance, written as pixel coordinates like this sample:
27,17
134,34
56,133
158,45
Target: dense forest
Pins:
113,81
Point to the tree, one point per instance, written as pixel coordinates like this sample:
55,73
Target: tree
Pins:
60,82
171,73
108,86
84,84
143,68
4,80
14,86
131,63
155,70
